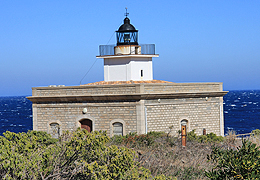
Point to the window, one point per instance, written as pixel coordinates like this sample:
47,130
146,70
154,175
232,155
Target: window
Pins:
142,73
184,122
184,126
55,130
118,129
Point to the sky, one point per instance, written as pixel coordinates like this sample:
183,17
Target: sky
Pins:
56,42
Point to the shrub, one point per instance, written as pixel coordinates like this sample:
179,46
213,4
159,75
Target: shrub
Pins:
77,155
243,163
256,132
20,154
209,138
191,136
230,139
133,140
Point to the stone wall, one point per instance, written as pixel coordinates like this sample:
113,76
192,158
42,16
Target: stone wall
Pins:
68,115
126,89
182,87
81,90
197,111
151,113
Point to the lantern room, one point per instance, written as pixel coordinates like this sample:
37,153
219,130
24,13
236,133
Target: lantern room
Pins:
127,60
127,34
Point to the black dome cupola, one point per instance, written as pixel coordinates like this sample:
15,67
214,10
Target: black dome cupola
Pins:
127,34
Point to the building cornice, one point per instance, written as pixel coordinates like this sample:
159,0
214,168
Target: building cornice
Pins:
129,56
125,97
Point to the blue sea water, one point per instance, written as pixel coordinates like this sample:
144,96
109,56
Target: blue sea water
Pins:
241,112
15,114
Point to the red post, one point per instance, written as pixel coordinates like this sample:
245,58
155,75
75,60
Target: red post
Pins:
204,131
183,135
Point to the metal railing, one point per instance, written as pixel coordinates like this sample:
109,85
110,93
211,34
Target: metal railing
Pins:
106,50
147,48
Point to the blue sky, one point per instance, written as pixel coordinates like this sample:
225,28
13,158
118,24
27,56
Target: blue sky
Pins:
56,42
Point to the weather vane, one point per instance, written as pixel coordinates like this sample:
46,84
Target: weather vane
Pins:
126,13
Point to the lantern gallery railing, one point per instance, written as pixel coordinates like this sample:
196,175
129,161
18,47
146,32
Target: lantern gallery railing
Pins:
147,48
106,50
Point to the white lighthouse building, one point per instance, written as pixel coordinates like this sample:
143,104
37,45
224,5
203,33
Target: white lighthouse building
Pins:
127,61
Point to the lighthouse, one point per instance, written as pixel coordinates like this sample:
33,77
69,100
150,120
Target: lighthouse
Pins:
127,60
129,100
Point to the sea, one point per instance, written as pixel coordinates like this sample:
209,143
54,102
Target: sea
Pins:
241,112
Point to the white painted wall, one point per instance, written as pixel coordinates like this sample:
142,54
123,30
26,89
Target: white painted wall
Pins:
128,68
137,66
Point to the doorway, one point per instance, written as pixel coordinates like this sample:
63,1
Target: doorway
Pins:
86,124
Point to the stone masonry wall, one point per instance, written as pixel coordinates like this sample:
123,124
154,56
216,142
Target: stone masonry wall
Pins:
69,115
199,113
81,90
127,89
182,87
160,114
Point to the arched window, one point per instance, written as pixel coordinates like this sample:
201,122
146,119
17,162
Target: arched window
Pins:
184,122
184,126
55,130
118,128
86,124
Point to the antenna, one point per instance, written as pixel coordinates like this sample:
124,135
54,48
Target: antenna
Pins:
126,13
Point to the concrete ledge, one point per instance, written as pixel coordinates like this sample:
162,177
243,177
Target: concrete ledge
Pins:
128,56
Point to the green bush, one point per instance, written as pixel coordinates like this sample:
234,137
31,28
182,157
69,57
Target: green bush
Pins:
191,136
77,155
243,163
256,132
209,138
20,153
133,140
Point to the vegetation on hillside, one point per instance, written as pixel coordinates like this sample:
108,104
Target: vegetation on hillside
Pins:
242,163
163,154
156,155
77,155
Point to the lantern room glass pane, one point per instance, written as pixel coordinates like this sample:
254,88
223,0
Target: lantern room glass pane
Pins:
127,38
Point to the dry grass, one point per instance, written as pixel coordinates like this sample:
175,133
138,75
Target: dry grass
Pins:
184,163
165,155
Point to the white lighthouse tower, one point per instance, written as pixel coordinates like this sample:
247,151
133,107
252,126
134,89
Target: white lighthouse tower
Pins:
127,61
